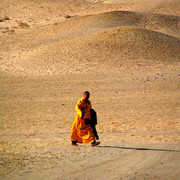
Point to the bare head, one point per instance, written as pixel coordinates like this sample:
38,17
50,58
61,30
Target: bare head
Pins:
86,95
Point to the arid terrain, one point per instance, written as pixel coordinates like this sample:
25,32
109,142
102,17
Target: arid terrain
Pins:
125,52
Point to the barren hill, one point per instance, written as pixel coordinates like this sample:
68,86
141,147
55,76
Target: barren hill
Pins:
118,39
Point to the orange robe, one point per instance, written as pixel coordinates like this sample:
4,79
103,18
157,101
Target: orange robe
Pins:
81,132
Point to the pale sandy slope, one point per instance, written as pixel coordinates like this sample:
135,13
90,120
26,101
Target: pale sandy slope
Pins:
116,39
126,53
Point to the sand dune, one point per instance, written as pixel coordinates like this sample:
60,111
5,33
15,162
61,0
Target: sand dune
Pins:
114,38
163,23
115,47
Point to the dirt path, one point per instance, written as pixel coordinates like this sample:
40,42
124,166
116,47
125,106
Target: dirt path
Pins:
111,160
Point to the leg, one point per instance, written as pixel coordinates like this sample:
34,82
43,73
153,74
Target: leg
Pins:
95,132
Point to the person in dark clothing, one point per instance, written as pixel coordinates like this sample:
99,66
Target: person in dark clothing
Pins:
93,122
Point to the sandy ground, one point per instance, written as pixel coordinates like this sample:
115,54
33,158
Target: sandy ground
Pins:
126,53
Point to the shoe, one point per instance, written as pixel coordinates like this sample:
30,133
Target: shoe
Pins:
95,143
74,143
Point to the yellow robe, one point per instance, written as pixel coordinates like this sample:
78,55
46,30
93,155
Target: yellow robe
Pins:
81,132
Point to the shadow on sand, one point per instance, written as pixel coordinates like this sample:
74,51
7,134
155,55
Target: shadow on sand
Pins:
141,149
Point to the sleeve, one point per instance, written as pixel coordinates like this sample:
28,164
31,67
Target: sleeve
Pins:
79,108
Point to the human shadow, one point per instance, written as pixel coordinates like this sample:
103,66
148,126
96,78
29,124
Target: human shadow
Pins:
141,149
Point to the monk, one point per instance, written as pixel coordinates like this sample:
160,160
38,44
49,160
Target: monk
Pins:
82,132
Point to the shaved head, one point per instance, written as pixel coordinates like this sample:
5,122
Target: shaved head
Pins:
86,92
86,95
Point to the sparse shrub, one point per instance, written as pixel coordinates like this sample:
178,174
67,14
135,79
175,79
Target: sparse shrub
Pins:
22,25
8,31
67,16
5,18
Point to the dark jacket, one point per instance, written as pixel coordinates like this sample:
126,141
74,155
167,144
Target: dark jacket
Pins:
93,122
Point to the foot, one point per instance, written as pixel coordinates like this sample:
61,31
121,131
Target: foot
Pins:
74,143
95,143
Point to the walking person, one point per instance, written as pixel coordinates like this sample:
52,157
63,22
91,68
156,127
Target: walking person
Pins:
83,130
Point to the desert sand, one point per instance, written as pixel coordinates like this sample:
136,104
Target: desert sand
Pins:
125,52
